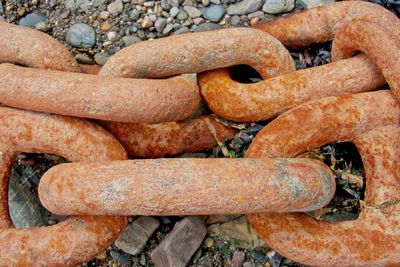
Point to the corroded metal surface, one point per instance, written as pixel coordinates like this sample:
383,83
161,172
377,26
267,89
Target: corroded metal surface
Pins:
371,240
76,239
380,43
187,186
269,98
83,95
319,122
143,140
197,52
25,46
320,24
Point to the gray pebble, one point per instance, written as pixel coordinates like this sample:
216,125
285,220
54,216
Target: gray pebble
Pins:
192,11
314,3
182,15
134,14
174,11
208,26
213,12
32,19
81,35
164,5
278,6
168,28
101,59
41,26
83,58
115,7
217,2
130,40
120,258
174,3
182,30
244,7
160,24
235,20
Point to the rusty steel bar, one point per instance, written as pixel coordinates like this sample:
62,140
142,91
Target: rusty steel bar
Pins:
371,240
320,24
197,52
28,47
319,122
83,95
269,98
378,42
78,238
187,186
143,140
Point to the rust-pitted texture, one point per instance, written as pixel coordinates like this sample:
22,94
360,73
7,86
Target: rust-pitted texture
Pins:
28,47
320,24
197,52
76,239
319,122
266,99
91,96
90,69
380,43
371,240
187,186
170,138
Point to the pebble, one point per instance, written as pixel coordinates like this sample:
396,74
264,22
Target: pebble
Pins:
208,26
111,35
164,5
160,24
120,258
130,40
245,7
205,2
213,12
192,11
182,15
32,19
238,258
115,7
81,35
248,264
238,229
83,58
104,15
147,23
314,3
101,59
182,30
181,243
198,21
257,14
41,26
24,208
134,237
174,11
134,14
257,255
106,26
168,28
278,6
235,20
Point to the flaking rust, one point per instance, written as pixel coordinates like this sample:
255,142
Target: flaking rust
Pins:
372,239
197,52
90,96
320,24
144,140
27,47
78,238
187,186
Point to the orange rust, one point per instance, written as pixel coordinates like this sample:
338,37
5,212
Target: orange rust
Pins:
170,138
76,239
368,38
28,47
90,96
197,52
269,98
317,243
187,186
320,24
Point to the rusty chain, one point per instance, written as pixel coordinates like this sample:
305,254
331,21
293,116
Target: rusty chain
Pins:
269,180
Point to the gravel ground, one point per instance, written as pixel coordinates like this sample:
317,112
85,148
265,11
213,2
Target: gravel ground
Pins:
96,29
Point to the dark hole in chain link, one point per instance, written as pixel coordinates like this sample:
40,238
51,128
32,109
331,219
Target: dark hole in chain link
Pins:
244,74
25,208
